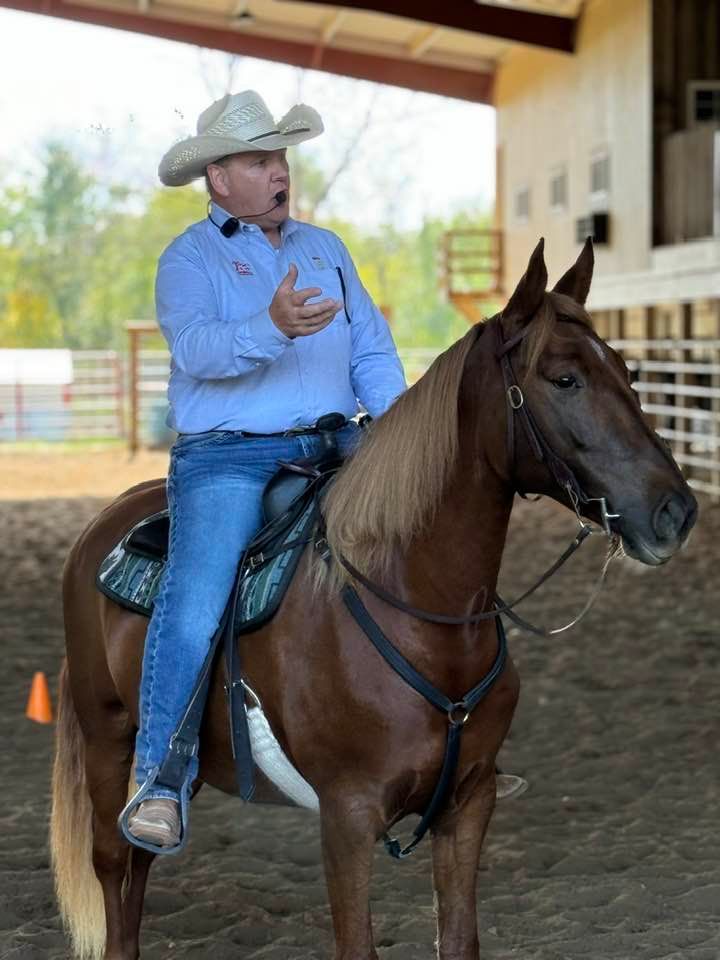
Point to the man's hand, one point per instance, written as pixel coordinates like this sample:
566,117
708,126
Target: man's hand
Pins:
290,313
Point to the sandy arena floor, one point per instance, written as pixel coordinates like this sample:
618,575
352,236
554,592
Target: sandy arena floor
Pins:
613,854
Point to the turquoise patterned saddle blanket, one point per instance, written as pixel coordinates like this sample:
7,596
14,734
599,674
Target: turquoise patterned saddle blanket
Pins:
132,577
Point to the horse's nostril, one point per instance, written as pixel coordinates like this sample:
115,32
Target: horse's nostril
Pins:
670,517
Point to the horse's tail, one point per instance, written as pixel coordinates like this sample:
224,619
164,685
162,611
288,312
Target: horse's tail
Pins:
78,889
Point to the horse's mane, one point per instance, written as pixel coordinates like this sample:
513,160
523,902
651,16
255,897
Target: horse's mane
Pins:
390,488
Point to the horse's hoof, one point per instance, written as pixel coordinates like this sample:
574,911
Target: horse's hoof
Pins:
509,787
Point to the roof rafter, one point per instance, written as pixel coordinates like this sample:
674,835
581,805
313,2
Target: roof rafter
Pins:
447,81
332,25
521,26
422,41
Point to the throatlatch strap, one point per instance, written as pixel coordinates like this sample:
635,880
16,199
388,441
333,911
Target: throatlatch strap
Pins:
457,713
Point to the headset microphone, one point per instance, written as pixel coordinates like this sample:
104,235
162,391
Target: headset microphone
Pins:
232,224
229,227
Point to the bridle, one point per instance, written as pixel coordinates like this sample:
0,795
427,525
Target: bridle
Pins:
542,451
563,476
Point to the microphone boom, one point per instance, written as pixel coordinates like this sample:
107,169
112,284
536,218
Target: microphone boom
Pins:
232,224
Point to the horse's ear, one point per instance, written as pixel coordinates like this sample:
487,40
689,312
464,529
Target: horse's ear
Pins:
576,282
525,301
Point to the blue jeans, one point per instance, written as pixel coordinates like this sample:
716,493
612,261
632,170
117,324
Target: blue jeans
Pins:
215,485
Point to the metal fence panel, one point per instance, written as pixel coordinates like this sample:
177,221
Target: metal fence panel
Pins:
678,382
91,405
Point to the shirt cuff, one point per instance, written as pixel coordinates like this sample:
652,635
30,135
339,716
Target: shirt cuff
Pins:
377,405
258,340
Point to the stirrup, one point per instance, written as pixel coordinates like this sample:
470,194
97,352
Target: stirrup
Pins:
134,803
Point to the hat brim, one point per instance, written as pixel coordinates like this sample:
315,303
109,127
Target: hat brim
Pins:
186,161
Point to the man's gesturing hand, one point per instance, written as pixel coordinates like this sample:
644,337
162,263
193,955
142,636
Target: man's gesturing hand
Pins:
292,315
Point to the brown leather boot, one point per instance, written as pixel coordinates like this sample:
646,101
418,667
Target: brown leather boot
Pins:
156,821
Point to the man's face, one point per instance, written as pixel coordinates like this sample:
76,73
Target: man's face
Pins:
246,184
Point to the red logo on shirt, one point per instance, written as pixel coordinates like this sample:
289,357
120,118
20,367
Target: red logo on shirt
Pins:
244,269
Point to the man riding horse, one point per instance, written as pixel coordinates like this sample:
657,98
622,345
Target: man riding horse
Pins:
269,328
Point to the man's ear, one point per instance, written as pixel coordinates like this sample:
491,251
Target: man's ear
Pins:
217,175
576,282
527,297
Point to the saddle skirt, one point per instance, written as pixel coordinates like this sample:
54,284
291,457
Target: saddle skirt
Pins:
131,573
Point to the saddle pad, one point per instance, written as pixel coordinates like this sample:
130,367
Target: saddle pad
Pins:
133,580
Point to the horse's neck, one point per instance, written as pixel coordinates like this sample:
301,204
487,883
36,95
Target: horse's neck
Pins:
452,567
454,563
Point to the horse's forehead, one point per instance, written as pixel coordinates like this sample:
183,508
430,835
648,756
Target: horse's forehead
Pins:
599,349
586,336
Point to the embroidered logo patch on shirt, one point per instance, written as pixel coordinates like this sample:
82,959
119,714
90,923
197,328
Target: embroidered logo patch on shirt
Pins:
318,263
244,269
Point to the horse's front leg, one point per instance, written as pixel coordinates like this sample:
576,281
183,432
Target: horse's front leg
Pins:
456,843
349,827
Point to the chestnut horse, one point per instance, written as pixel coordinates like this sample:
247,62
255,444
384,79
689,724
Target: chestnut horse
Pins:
421,508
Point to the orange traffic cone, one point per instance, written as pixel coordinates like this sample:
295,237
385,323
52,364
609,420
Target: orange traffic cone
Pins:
39,707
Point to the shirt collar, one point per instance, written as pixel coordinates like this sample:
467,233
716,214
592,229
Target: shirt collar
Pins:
220,215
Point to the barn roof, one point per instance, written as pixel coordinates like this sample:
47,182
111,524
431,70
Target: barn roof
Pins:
451,48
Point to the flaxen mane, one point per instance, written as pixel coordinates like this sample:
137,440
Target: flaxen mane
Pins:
389,489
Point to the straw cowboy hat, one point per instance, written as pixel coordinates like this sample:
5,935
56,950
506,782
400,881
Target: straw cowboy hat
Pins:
236,123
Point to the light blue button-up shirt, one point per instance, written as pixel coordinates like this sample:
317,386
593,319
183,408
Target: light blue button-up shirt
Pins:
231,367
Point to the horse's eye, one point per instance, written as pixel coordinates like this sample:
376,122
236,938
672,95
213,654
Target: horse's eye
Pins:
564,383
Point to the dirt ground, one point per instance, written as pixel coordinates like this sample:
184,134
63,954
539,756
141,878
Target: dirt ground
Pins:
103,472
614,852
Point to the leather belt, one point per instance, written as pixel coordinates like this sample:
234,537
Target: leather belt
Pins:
292,432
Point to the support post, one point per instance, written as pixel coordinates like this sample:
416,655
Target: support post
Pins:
650,320
134,356
684,355
119,394
715,405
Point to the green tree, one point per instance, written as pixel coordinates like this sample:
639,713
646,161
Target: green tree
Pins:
124,263
51,231
78,258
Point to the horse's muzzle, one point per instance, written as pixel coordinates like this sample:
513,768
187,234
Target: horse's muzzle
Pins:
670,523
